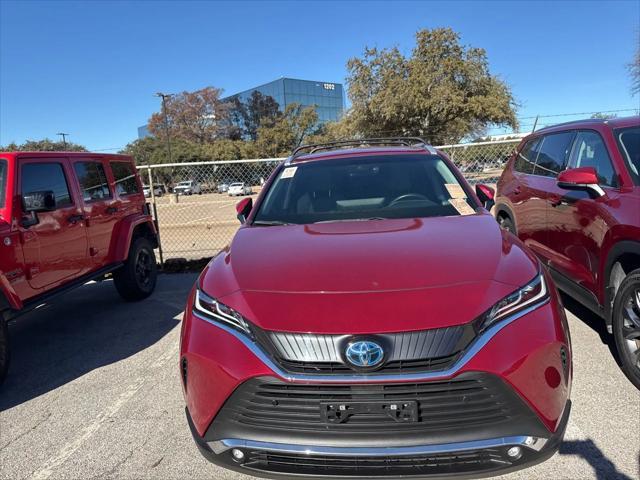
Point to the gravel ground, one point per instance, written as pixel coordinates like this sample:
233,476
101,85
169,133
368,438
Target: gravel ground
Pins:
94,392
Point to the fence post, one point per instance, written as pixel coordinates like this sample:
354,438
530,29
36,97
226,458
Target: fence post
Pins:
155,211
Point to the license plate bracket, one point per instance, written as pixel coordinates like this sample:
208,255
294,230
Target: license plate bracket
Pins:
340,412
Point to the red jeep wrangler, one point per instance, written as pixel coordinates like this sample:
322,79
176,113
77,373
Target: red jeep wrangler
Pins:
65,219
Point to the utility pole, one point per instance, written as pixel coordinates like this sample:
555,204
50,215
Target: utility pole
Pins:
164,97
64,138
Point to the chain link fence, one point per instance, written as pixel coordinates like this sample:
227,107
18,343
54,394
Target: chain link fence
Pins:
195,208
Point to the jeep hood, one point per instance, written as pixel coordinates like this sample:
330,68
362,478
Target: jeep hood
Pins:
365,276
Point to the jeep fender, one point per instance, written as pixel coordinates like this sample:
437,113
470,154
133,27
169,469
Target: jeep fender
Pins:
9,299
122,235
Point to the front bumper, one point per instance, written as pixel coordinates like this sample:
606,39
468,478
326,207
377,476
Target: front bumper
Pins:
465,459
523,367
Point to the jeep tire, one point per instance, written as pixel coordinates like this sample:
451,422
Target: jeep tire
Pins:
4,348
626,325
136,279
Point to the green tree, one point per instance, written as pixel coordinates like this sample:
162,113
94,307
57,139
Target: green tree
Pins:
153,150
296,124
199,116
443,92
44,145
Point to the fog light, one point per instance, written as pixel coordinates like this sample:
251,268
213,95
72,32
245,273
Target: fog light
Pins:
238,455
514,452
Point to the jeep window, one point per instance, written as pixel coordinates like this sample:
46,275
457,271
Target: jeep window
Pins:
38,177
361,188
125,178
3,181
589,150
629,143
526,159
553,154
93,181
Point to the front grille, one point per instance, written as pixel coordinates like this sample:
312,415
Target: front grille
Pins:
441,464
405,352
472,405
390,367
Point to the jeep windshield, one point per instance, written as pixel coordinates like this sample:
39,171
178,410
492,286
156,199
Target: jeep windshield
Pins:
3,181
629,142
364,188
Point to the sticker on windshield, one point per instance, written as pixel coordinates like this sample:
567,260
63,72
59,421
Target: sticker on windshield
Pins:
455,190
289,172
461,205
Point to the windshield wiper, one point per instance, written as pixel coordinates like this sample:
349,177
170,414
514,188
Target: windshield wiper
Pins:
269,223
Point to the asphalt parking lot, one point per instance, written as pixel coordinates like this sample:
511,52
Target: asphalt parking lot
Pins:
93,392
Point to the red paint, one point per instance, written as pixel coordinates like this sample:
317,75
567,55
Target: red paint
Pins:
55,251
576,233
579,176
372,277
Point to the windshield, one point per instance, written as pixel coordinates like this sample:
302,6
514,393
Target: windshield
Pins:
361,188
236,184
184,184
629,143
3,181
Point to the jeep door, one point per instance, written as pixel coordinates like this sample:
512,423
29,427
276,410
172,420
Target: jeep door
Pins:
54,242
99,206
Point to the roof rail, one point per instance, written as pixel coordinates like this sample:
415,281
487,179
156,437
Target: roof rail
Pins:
359,142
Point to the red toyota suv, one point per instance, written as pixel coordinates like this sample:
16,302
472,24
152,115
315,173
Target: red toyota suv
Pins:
572,194
65,219
371,319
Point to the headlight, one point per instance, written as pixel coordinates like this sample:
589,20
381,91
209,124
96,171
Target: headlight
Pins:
219,312
535,292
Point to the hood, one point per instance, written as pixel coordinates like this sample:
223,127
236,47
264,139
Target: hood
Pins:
329,277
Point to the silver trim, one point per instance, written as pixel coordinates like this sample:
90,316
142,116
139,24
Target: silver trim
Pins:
476,345
533,443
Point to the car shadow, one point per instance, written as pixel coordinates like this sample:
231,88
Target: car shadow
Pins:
603,468
592,320
84,330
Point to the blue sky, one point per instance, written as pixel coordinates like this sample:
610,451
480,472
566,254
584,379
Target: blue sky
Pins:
91,68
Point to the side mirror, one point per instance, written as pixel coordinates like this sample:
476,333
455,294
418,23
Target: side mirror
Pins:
486,194
41,201
583,178
243,208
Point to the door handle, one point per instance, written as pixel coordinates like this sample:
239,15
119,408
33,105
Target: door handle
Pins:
73,219
112,210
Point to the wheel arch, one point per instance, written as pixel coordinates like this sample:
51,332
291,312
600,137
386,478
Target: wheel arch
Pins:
624,254
503,210
131,228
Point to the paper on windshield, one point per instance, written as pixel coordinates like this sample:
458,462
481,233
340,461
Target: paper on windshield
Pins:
461,205
455,190
289,172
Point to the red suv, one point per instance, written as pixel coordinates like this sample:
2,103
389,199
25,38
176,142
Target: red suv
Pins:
572,194
370,318
65,219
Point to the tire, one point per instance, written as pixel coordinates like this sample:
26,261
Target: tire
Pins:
507,224
626,326
5,354
137,278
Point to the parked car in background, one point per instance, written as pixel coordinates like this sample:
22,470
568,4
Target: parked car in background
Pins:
223,187
65,219
572,194
352,329
158,190
188,187
239,188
